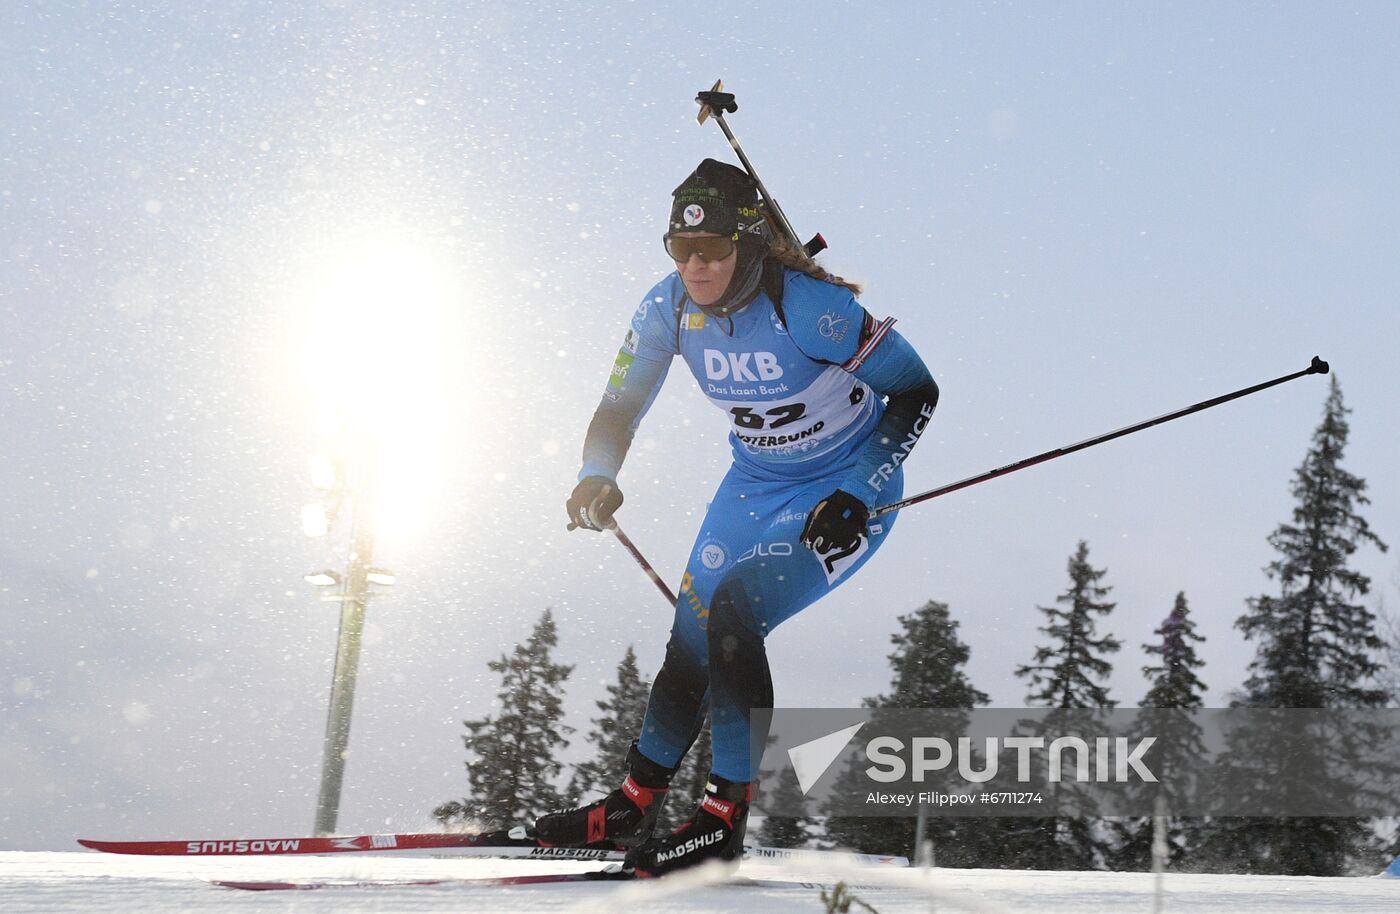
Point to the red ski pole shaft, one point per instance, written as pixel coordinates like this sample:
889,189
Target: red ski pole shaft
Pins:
641,560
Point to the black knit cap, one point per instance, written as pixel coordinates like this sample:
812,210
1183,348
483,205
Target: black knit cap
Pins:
716,198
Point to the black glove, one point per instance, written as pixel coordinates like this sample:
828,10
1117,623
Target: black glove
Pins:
593,503
837,522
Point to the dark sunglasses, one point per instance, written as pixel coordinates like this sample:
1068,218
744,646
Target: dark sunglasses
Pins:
680,247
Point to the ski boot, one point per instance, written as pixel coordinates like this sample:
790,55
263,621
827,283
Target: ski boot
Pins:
624,818
715,832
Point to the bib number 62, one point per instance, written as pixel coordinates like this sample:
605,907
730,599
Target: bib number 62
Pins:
786,414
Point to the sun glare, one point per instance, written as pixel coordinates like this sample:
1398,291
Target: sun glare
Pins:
380,312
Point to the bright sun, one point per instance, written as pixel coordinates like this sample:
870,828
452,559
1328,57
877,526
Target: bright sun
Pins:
381,308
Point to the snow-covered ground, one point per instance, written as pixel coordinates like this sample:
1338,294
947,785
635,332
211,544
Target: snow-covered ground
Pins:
87,881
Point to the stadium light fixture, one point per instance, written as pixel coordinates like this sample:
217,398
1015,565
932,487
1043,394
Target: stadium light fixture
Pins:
381,576
324,578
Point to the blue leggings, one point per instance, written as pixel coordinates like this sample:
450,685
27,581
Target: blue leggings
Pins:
747,574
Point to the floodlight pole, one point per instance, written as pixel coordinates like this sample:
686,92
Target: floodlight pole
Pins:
347,664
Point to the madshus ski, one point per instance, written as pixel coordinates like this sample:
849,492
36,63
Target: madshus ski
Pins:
511,844
608,874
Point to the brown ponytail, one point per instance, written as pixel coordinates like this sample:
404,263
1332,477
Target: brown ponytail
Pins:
789,255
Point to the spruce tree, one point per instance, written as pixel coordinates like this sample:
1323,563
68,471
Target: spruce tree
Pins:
516,752
1316,641
928,663
1316,644
1174,687
928,672
1067,673
1388,658
613,732
785,831
1174,680
1067,676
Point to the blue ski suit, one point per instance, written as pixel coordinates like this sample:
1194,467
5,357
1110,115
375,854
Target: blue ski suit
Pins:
803,385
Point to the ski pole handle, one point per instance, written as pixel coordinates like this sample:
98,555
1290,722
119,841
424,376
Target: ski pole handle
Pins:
715,103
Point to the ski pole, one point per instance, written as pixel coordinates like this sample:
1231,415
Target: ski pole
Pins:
641,560
715,103
1318,366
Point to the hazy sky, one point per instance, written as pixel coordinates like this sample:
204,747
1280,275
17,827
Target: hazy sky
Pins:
216,221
